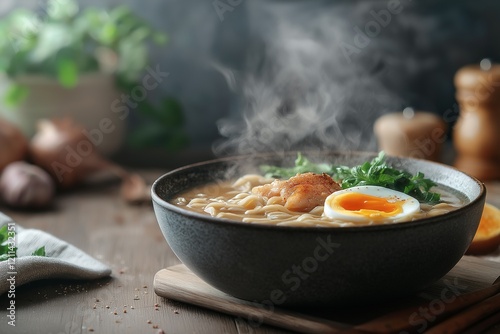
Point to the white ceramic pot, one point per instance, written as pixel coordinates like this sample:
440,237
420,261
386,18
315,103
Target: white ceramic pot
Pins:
90,103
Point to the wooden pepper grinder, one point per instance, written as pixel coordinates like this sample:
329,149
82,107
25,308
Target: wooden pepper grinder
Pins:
411,134
476,135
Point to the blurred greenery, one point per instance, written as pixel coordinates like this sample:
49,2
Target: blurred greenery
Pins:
64,42
162,125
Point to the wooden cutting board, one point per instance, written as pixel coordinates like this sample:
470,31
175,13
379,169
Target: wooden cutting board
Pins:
179,283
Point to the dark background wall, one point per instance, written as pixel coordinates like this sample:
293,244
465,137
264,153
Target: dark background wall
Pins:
272,74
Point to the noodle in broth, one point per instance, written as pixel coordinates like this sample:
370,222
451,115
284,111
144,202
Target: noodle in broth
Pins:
235,201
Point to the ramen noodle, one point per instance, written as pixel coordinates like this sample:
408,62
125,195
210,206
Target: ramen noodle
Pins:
235,201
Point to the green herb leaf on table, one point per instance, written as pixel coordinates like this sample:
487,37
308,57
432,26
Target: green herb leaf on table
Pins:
375,173
3,234
6,248
39,252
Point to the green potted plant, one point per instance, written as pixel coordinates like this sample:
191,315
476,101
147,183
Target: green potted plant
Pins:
73,62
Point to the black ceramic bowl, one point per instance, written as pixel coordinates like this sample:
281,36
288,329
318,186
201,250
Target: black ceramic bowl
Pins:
299,266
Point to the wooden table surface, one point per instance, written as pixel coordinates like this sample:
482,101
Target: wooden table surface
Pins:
128,239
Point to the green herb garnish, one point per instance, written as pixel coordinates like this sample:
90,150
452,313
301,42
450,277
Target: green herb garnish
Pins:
374,173
302,165
378,173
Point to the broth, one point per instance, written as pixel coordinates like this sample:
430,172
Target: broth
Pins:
235,201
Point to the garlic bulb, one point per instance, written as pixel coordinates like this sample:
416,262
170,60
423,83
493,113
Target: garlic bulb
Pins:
13,144
23,185
62,149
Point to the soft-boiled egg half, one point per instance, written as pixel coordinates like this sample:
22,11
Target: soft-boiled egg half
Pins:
367,204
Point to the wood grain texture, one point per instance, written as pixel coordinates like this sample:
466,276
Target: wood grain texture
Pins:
128,239
178,283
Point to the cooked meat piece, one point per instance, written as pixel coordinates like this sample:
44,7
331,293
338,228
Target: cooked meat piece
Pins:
302,192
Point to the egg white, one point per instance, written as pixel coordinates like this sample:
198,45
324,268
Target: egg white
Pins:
333,210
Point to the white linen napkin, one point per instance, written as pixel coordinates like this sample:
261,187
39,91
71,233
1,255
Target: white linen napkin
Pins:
62,260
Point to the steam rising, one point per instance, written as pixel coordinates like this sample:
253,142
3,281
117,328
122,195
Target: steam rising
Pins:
300,91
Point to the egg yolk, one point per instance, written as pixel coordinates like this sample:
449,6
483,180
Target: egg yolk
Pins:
368,205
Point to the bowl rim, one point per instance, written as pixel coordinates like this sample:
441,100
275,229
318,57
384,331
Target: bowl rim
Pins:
348,229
